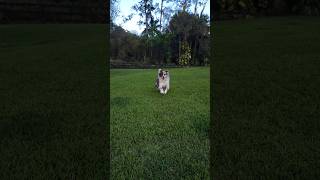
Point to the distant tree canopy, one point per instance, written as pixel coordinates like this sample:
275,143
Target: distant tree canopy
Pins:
183,40
235,8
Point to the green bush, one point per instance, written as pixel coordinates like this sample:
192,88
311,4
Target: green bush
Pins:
185,56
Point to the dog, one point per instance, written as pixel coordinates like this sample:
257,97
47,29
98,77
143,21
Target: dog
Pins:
163,81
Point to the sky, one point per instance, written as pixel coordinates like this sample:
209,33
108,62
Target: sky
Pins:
125,7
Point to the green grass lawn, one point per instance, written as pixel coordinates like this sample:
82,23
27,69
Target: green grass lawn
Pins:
266,94
156,136
53,102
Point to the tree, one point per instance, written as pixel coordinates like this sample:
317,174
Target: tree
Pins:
185,56
184,41
125,46
195,6
144,8
165,12
161,14
114,9
183,5
203,7
189,31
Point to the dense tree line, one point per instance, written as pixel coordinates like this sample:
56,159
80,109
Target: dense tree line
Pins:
265,7
169,37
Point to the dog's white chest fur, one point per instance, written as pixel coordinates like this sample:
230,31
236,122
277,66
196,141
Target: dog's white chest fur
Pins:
163,83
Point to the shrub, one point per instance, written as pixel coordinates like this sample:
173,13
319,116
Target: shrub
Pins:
185,56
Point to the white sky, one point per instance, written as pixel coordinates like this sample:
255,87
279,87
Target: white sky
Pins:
125,7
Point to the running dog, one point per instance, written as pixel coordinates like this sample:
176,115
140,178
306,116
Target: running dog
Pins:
163,81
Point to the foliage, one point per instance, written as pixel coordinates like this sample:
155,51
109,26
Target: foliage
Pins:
185,40
114,9
194,30
125,45
145,8
185,56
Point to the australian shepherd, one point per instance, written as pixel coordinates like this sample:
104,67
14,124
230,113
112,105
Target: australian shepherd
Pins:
163,81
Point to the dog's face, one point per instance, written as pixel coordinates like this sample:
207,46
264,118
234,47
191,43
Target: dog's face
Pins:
163,74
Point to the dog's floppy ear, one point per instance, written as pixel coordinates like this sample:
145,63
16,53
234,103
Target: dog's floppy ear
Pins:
159,70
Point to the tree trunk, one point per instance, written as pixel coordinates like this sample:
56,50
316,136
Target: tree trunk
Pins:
145,52
151,49
161,13
199,46
184,6
179,47
145,12
195,7
194,52
146,22
204,6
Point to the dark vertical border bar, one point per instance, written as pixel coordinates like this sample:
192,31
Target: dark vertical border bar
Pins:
211,152
107,10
